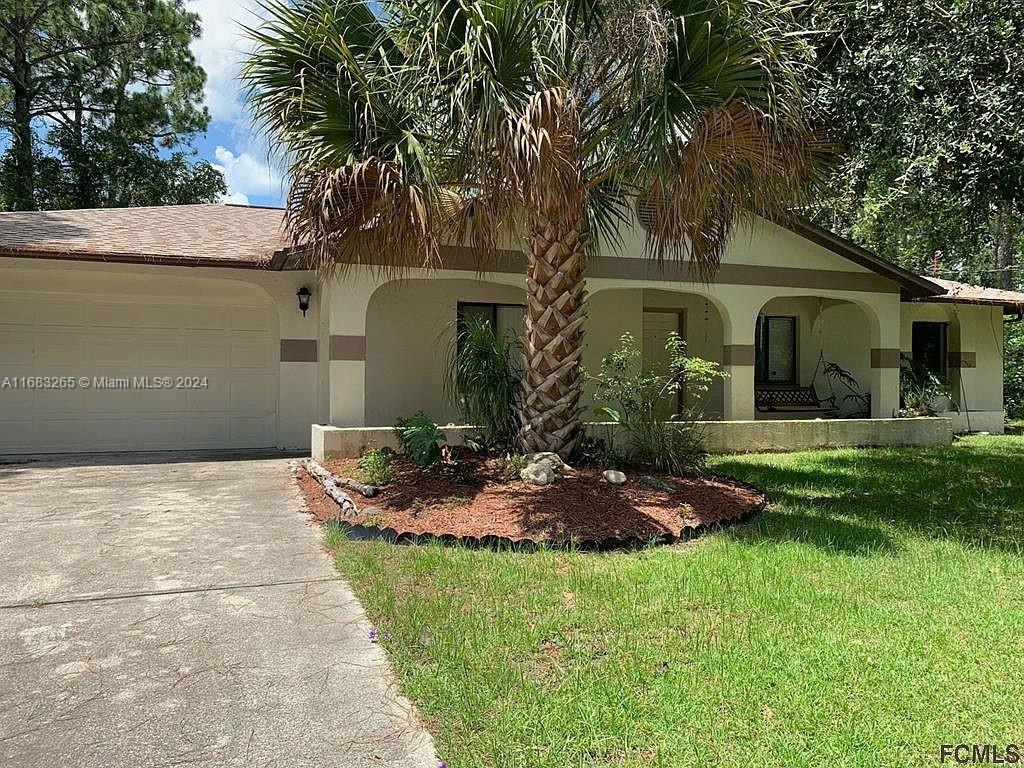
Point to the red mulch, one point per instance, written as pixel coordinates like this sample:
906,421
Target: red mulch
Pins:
475,500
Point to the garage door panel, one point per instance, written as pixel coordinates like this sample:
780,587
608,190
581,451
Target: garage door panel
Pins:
250,393
247,430
207,318
234,348
15,403
215,397
68,313
16,309
246,319
208,355
14,434
58,403
252,355
166,354
18,351
57,354
209,431
111,354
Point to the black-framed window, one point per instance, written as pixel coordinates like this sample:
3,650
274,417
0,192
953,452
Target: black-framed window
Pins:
931,346
775,356
504,318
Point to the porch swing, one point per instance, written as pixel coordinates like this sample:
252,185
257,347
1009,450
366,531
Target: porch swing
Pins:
792,398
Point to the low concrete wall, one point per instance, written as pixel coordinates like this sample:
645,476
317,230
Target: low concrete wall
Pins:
352,442
993,422
800,435
719,436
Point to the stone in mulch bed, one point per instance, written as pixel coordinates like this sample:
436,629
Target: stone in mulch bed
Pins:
475,499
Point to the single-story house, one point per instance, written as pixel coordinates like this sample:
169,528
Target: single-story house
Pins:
180,327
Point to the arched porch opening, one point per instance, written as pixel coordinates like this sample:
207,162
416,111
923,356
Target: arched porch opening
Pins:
410,328
649,314
814,343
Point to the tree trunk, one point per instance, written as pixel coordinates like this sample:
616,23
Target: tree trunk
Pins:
552,345
1005,235
23,187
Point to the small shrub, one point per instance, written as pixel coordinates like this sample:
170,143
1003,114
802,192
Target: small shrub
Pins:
631,393
482,379
376,466
511,464
420,439
600,451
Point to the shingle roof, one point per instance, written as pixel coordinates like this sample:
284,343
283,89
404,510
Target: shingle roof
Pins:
964,293
194,235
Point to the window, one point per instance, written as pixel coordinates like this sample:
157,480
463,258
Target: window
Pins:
504,318
775,350
930,347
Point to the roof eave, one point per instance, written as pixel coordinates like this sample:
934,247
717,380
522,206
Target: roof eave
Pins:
137,258
911,286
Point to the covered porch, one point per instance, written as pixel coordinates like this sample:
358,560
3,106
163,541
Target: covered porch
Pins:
764,337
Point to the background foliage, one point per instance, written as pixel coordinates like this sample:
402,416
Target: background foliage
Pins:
926,96
99,104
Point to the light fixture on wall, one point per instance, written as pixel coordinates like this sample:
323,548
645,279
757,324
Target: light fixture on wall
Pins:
304,294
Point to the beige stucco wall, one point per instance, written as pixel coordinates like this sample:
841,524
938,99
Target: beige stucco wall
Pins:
976,329
301,391
401,321
410,328
405,325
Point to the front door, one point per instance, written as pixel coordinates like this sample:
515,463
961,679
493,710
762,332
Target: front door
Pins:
657,327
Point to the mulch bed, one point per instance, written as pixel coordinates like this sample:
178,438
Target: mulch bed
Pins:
474,503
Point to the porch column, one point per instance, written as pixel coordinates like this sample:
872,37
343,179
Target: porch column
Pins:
346,349
738,363
886,324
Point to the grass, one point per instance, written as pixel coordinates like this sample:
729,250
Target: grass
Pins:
872,613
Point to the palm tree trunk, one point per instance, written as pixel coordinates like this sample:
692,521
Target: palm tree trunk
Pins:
553,342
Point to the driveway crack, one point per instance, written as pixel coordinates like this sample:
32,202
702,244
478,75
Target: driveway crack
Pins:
164,592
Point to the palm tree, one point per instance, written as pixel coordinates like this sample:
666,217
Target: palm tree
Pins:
411,124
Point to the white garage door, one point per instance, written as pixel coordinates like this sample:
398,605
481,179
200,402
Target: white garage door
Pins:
191,366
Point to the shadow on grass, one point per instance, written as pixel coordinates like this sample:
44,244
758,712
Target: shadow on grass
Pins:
871,500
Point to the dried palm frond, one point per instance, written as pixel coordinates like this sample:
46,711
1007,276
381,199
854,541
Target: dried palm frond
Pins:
737,163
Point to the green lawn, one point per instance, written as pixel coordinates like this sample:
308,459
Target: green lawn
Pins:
872,613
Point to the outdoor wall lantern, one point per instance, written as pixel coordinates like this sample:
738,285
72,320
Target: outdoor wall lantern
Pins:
304,294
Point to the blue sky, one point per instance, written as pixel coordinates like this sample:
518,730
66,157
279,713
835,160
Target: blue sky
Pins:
250,166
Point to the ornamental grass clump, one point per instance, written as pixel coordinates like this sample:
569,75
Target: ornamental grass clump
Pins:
633,393
483,381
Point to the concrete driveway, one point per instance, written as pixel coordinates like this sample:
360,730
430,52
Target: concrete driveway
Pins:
177,610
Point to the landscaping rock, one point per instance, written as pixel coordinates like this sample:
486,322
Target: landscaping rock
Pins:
614,477
553,460
656,484
538,473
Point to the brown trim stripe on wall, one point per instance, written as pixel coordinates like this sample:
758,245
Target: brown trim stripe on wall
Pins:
885,358
619,268
298,351
963,360
738,354
348,348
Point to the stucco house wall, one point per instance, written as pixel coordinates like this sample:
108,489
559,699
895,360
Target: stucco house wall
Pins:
975,339
372,346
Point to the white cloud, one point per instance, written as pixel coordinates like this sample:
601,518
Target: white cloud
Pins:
235,198
220,51
246,176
